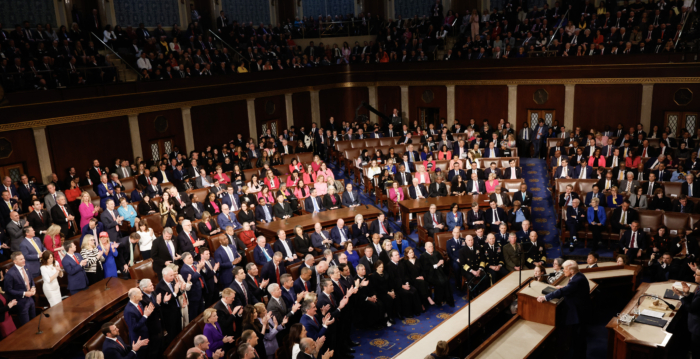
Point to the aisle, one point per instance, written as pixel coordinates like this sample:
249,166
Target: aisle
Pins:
543,213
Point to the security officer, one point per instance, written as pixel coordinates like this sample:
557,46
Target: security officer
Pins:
493,257
536,253
472,261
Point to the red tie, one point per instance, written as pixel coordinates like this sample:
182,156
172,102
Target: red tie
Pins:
256,282
315,321
192,239
277,272
149,180
332,300
98,171
200,278
645,152
66,214
76,259
434,219
229,309
120,343
139,308
306,285
115,219
634,236
384,229
341,288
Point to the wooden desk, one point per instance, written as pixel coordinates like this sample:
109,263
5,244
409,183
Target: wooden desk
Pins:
442,203
642,341
66,320
326,218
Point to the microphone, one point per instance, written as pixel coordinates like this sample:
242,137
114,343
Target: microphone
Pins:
107,284
42,314
670,306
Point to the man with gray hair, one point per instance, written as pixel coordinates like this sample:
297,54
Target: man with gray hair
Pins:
164,251
136,316
170,289
188,241
576,306
155,329
273,269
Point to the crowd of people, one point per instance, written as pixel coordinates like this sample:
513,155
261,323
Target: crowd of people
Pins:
36,56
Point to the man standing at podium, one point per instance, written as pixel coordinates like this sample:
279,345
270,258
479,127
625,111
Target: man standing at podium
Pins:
691,300
576,308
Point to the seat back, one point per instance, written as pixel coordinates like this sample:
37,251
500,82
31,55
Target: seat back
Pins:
562,183
129,184
143,270
305,157
584,186
283,169
95,343
214,242
372,142
673,220
694,219
341,146
651,219
388,141
442,238
185,340
154,223
673,189
201,193
552,142
509,184
250,172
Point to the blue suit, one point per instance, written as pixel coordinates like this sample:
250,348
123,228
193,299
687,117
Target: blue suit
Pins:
577,172
136,323
260,213
86,230
603,201
692,302
225,222
31,256
103,193
225,264
451,223
77,279
404,243
227,200
136,196
195,294
268,271
314,330
487,152
110,225
336,235
453,248
259,256
15,288
112,350
309,206
601,215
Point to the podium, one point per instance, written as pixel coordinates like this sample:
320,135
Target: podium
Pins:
532,310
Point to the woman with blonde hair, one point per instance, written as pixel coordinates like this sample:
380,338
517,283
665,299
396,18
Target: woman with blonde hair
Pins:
54,243
95,258
208,226
87,209
268,327
50,271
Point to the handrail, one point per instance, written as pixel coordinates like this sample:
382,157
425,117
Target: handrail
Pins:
236,53
558,27
692,6
117,55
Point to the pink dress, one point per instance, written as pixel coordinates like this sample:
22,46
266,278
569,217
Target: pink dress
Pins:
490,188
86,213
327,173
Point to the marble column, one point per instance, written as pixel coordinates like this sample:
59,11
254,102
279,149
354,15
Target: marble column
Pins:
42,151
647,93
289,110
404,105
513,106
135,135
252,125
187,128
569,91
450,105
315,108
373,118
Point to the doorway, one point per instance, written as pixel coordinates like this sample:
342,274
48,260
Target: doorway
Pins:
14,171
205,11
428,115
535,115
285,10
273,126
160,147
681,120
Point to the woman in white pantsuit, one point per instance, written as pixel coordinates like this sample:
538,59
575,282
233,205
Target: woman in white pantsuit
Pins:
50,273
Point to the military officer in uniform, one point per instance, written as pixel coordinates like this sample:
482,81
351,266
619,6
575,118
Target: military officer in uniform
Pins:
493,257
471,260
536,253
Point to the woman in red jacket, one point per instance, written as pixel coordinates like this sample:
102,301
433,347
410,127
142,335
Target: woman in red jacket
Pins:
597,160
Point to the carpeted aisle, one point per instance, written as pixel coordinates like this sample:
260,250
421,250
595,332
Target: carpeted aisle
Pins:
543,213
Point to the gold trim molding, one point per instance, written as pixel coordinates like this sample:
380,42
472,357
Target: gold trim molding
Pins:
217,100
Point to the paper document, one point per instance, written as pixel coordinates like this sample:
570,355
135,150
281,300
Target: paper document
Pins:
652,313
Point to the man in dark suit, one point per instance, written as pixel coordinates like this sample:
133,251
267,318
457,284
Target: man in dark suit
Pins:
306,281
188,242
229,310
512,172
191,272
564,171
651,186
284,246
575,221
96,172
111,220
164,251
154,323
577,308
381,226
25,192
417,190
607,183
494,216
63,216
20,288
437,188
313,203
114,346
170,291
369,259
351,198
136,317
525,138
474,170
282,209
273,269
633,242
539,134
433,221
523,195
476,185
38,218
154,189
263,212
683,205
691,300
255,283
689,187
74,265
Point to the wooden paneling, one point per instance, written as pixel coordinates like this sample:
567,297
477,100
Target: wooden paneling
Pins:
174,130
341,103
415,95
481,102
596,106
526,102
24,152
219,123
78,144
663,101
301,108
274,103
388,99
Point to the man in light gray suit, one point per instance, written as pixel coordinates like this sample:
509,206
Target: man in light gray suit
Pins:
15,230
50,198
628,185
124,170
200,183
276,305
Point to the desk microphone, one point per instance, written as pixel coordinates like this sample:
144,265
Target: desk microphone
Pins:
42,314
670,306
107,284
366,207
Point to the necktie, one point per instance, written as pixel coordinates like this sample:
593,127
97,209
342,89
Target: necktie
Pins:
31,240
201,282
633,241
495,215
120,343
624,216
39,213
69,223
651,188
583,172
170,249
138,306
306,285
690,190
277,273
25,276
267,256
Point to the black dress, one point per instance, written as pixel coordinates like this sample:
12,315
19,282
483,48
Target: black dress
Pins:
209,207
437,277
144,208
409,300
246,217
413,271
379,284
204,230
360,233
302,244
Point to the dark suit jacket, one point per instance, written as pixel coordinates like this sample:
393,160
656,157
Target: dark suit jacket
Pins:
527,201
113,350
627,236
60,219
39,224
282,210
578,299
160,254
412,191
480,184
268,271
244,300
